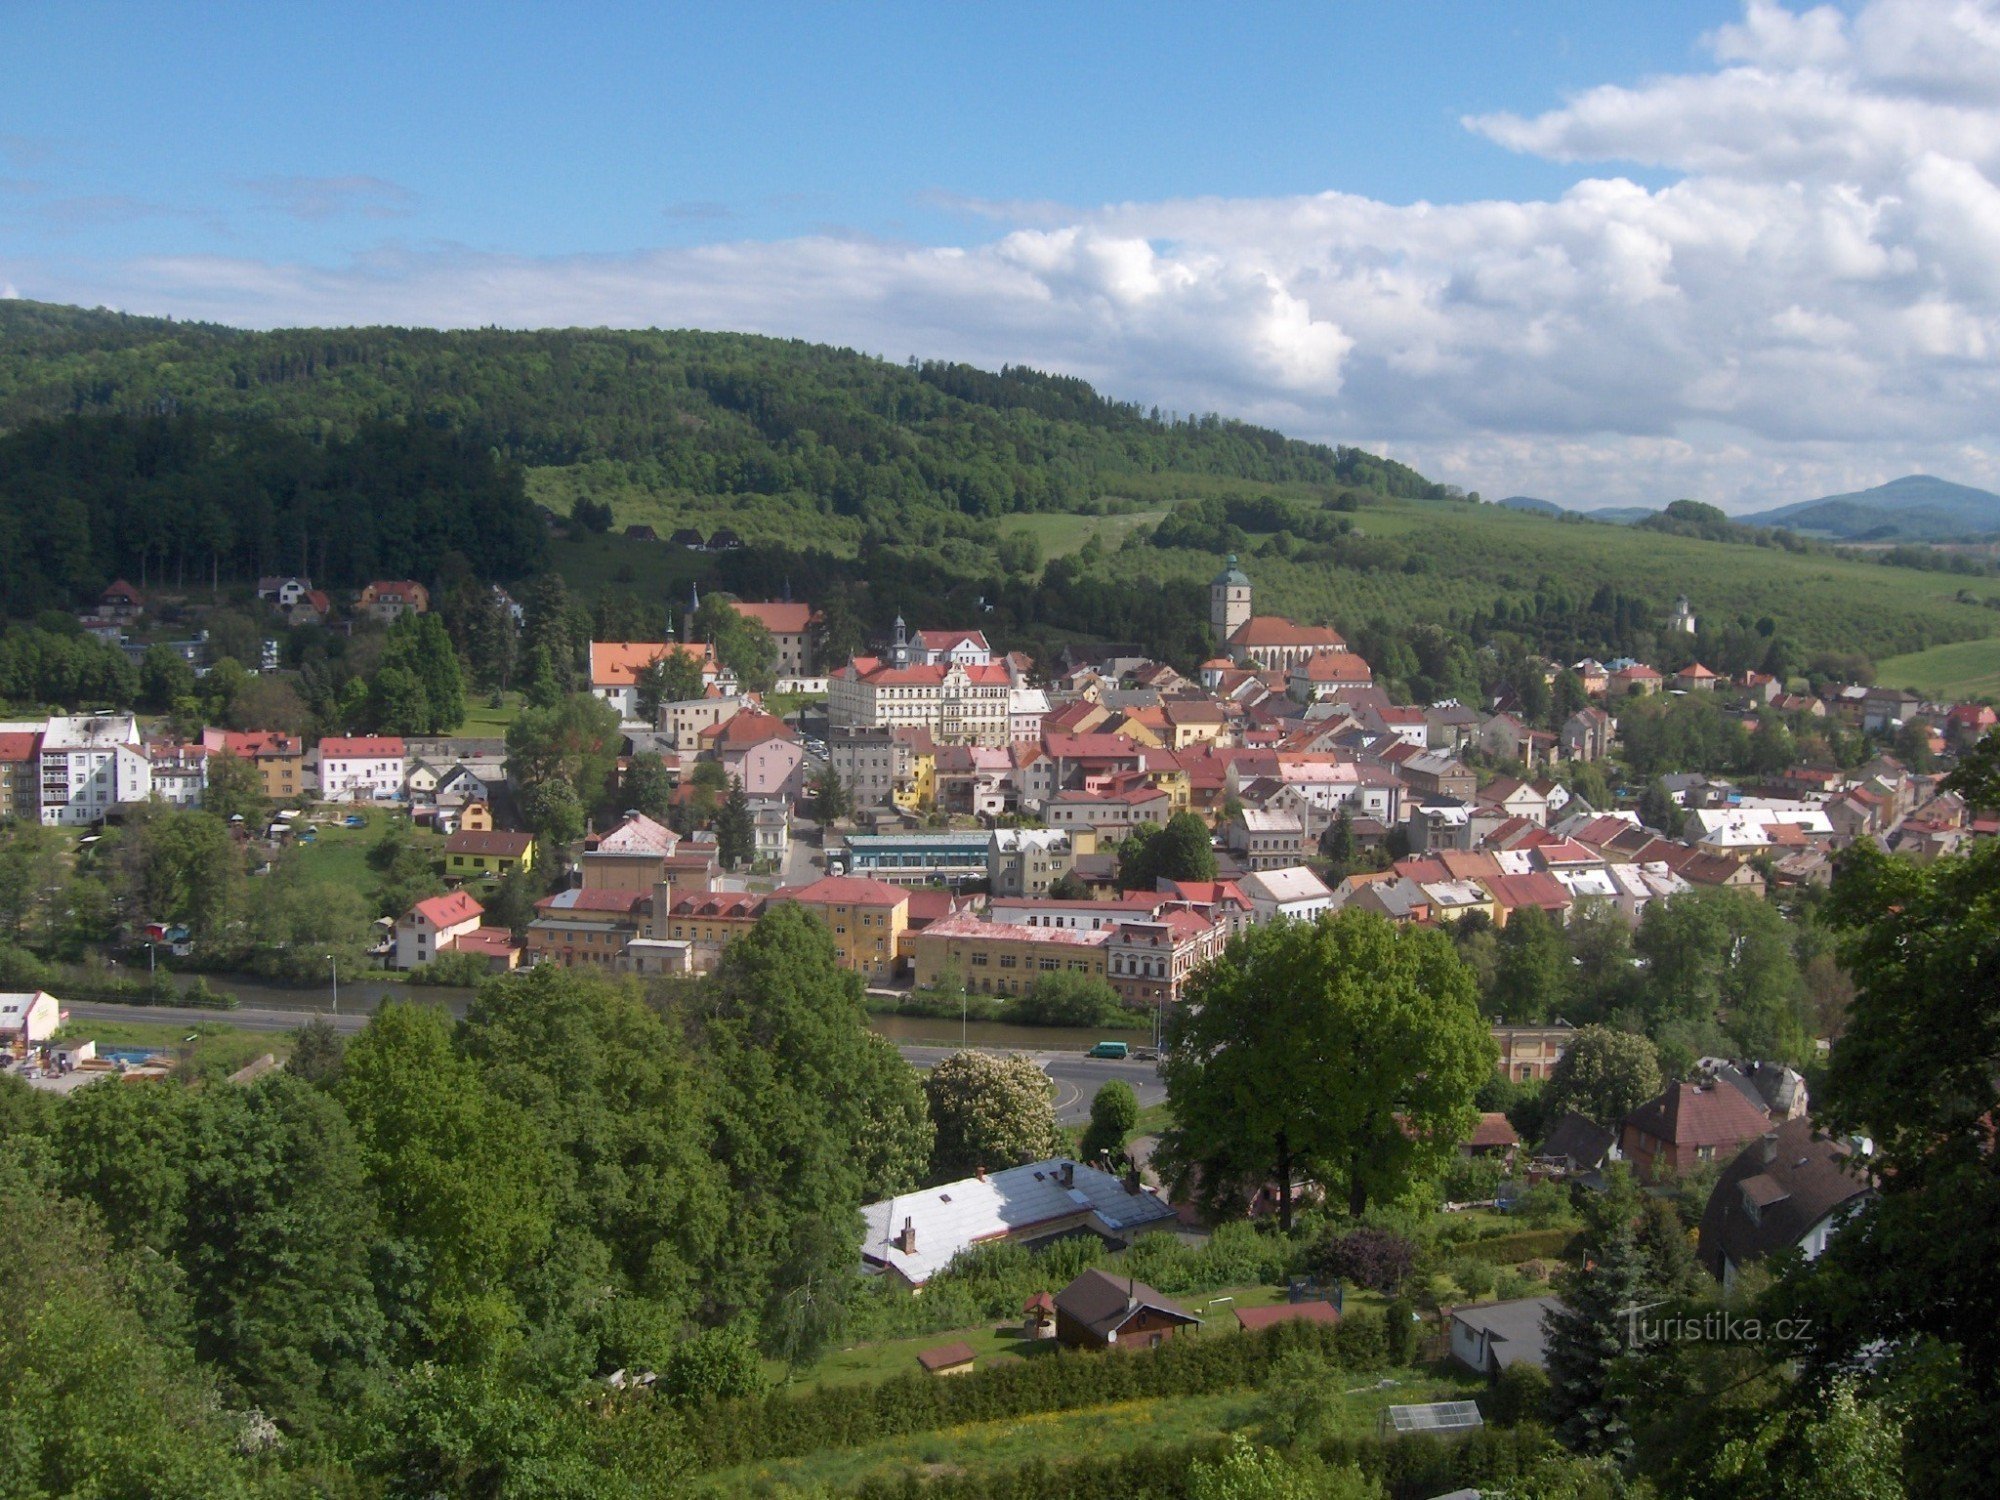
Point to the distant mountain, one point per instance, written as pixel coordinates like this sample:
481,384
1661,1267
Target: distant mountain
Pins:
1917,508
1623,514
1530,503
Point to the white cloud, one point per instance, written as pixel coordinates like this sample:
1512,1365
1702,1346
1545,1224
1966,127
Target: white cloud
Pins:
1812,304
317,199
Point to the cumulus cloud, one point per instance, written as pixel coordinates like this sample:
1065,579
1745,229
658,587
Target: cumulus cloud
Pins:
1811,303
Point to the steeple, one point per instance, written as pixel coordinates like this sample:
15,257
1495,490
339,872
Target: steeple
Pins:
1228,602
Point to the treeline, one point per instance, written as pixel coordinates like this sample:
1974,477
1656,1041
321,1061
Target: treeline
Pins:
705,413
178,501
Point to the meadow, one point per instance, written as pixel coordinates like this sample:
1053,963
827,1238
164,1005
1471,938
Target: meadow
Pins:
1963,669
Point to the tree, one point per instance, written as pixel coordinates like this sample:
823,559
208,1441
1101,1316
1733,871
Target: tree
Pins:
1346,1051
165,680
831,800
188,870
672,677
647,786
1587,1333
1532,976
235,789
742,644
735,828
552,809
1182,848
1377,1259
1600,947
396,702
317,1051
1114,1111
1657,809
578,740
1724,956
1247,1472
990,1112
1604,1075
1337,846
296,924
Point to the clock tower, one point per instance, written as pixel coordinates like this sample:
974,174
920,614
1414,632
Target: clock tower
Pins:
1228,602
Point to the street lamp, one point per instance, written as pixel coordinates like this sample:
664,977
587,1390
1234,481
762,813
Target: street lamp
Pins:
334,964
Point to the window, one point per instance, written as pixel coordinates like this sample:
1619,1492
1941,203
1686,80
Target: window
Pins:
979,960
1007,961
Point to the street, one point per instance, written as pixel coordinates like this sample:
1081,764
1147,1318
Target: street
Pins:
1076,1077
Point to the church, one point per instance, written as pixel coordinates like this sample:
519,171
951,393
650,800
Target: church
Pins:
1269,642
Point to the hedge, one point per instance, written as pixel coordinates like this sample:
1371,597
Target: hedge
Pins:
780,1425
1409,1468
1522,1244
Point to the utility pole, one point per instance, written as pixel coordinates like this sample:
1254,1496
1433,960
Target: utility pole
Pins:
334,964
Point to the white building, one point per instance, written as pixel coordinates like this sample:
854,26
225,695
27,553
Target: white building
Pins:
180,773
89,765
1026,707
958,704
1296,893
363,768
27,1018
429,928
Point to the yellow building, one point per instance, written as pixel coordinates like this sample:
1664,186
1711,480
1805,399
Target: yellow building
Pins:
866,917
1002,958
475,817
921,794
473,854
280,759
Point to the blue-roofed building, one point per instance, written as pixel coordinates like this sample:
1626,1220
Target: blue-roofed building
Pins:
913,858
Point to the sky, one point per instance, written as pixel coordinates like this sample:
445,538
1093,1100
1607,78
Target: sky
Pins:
1602,253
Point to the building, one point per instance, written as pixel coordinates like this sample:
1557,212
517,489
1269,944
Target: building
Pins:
1275,644
28,1018
1099,1310
1266,840
1688,1125
1027,861
180,773
759,752
90,764
1530,1052
1789,1189
428,928
362,768
1296,893
389,599
866,917
1112,814
871,762
280,758
1228,602
912,858
790,626
615,667
630,857
20,775
957,1358
1002,958
1149,960
914,1236
1488,1337
959,701
474,855
589,928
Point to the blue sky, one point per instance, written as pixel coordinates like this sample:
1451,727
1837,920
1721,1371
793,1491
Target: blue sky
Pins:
1601,252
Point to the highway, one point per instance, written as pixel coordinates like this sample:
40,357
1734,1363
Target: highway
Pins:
1075,1076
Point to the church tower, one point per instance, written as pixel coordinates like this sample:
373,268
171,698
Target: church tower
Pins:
1228,601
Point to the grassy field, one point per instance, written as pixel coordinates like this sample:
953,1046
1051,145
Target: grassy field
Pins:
1964,669
339,856
1102,1431
217,1044
1061,535
483,721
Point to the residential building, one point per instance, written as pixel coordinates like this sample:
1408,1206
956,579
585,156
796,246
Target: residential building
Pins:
615,667
280,758
1266,840
1111,814
998,958
790,626
1587,734
90,764
914,1236
1686,1126
582,927
1789,1189
629,857
20,775
179,772
1026,708
1296,893
759,752
1530,1052
429,928
1027,861
1322,675
1100,1311
476,855
679,725
362,768
27,1018
389,599
866,917
1149,960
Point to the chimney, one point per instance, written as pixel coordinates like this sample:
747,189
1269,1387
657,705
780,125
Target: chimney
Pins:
1069,1174
907,1240
1769,1147
1131,1295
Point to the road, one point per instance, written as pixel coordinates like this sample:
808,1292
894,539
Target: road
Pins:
1075,1076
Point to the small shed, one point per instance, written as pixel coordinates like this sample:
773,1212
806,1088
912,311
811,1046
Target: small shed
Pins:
1099,1311
948,1359
73,1054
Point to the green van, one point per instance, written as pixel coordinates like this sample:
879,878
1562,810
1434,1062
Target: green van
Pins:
1108,1049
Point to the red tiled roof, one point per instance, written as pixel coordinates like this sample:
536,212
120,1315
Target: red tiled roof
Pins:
946,1356
494,941
16,746
747,727
1253,1318
778,617
1700,1115
1275,630
1335,666
362,747
448,910
1493,1129
1535,889
844,890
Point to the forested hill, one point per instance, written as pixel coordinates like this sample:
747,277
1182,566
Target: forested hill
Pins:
702,413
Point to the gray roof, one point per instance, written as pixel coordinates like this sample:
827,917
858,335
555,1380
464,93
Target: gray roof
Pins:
1513,1329
1774,1192
1103,1303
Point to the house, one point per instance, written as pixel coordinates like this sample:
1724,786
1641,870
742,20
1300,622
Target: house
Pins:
640,532
689,538
475,855
283,591
1789,1189
723,539
1695,678
1488,1337
360,768
1027,861
1578,1146
790,626
866,917
1772,1087
20,783
948,1359
615,667
390,599
1149,960
1296,893
1323,674
913,1236
1687,1125
1492,1136
1515,799
759,752
1635,680
1100,1311
180,773
1266,840
428,928
629,857
121,602
90,764
1531,1052
280,758
1586,734
28,1018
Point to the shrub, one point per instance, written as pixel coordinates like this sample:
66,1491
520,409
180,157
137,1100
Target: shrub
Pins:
1377,1259
1522,1244
459,970
1542,1205
1471,1179
1400,1330
1521,1394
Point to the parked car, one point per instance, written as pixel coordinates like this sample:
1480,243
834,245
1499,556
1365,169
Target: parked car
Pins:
1109,1049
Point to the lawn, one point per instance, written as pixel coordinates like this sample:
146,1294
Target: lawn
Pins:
339,856
217,1045
1101,1431
483,721
1964,669
1061,535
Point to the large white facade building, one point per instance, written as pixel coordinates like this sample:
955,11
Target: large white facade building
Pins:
90,764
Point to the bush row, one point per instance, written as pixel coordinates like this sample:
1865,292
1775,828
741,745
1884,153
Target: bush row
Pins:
1409,1469
780,1425
1522,1244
